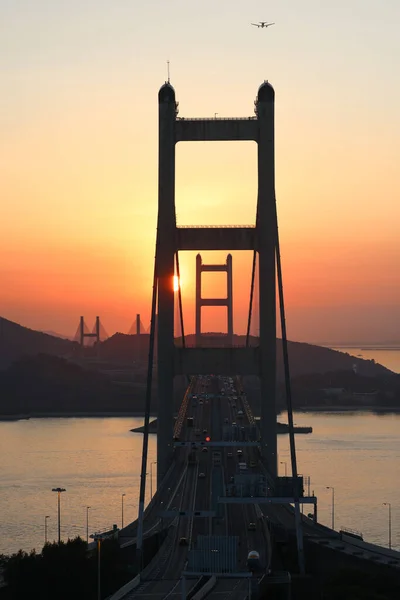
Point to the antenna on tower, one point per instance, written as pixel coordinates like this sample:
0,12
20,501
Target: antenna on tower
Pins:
168,71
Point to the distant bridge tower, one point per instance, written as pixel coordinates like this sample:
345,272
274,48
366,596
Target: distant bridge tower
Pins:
86,334
137,327
228,301
173,360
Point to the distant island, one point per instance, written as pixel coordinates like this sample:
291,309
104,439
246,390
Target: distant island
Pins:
41,374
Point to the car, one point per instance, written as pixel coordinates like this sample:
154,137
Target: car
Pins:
204,449
204,430
183,541
202,475
251,527
239,452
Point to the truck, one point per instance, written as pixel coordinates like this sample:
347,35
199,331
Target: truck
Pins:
242,466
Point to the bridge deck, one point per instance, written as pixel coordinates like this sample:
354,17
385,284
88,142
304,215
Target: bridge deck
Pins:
197,486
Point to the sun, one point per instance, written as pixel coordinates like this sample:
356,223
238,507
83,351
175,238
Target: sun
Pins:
176,283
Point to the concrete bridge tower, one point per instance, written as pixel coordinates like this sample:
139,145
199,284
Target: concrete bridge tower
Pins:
261,360
228,301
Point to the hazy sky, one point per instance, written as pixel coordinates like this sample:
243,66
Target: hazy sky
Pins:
78,155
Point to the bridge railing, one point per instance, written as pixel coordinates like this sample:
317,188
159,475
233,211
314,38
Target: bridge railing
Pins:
163,552
246,405
182,411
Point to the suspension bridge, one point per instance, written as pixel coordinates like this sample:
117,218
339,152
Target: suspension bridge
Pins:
220,502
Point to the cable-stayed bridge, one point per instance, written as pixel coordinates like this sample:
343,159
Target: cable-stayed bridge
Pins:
86,336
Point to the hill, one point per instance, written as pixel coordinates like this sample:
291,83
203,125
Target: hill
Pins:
304,358
17,341
50,384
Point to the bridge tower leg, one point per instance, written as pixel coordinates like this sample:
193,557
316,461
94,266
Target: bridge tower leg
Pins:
97,330
267,286
81,331
229,298
198,300
165,256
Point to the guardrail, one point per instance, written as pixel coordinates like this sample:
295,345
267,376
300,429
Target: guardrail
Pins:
182,411
197,586
246,404
163,553
206,589
128,587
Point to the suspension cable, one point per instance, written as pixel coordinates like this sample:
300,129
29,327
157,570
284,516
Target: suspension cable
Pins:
180,298
253,274
299,531
139,541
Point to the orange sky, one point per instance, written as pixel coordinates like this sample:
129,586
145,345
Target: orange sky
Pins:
78,159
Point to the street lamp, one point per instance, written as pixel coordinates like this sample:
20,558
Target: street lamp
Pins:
98,538
122,510
283,462
151,479
87,524
328,487
45,528
388,504
59,492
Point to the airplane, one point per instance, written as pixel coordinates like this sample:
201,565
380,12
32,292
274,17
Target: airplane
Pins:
262,24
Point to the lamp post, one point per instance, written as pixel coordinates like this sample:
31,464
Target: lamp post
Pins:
151,479
122,510
283,462
98,538
388,504
59,491
328,487
45,528
87,524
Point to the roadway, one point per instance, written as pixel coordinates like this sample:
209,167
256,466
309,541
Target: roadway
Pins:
195,487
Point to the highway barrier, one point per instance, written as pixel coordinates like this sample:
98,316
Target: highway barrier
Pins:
128,587
206,589
197,586
163,553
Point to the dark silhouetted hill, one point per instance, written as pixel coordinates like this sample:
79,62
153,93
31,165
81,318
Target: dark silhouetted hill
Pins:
51,384
17,341
125,348
304,358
